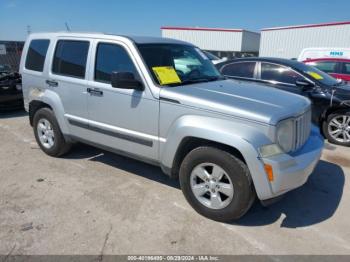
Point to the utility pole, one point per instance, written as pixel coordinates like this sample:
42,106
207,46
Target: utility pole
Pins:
67,26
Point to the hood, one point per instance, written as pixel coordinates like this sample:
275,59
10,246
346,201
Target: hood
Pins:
240,99
342,93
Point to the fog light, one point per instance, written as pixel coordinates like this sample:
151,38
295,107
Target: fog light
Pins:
269,172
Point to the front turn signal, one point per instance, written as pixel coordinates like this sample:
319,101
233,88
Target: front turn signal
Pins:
269,172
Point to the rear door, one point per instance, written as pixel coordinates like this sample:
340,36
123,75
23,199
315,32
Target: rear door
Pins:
67,77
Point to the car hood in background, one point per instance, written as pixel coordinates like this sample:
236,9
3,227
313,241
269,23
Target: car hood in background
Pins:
241,99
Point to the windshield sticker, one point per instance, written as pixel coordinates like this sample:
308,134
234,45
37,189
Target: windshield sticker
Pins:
166,75
201,54
315,75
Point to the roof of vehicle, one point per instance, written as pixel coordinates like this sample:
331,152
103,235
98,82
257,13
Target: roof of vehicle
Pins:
327,59
135,39
283,61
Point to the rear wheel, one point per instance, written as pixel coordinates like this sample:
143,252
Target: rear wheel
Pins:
216,184
48,134
337,128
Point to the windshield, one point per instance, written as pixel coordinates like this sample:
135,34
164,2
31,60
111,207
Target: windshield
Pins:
210,55
318,75
175,64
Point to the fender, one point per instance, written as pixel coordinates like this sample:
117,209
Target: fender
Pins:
51,98
245,138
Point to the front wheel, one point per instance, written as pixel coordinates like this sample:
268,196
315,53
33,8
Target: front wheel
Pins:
337,128
216,184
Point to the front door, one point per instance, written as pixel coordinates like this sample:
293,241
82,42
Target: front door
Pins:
122,119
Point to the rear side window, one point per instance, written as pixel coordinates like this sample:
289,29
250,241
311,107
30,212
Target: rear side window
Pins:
325,66
245,69
112,58
36,54
70,58
272,72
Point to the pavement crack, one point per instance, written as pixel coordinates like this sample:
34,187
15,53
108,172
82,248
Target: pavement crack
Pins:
100,257
9,253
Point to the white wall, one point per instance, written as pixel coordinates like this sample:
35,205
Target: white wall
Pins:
288,43
208,40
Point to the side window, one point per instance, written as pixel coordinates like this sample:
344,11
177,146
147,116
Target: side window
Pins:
325,66
245,69
110,58
272,72
36,54
346,68
70,58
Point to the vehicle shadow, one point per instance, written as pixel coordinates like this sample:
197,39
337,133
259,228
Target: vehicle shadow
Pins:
13,114
124,163
310,204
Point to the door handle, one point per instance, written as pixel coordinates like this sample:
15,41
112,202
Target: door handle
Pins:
52,83
94,91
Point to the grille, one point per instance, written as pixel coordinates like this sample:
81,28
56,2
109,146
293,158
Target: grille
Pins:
302,125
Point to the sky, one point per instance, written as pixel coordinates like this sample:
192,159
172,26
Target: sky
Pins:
142,17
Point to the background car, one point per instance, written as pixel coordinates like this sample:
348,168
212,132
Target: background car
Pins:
11,96
336,67
330,97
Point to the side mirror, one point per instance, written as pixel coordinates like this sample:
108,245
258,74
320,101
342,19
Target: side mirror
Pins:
304,84
125,80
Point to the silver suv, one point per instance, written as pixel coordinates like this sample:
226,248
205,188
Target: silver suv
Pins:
163,102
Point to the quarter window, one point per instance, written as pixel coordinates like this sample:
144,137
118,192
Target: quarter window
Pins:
70,58
272,72
36,54
112,58
245,69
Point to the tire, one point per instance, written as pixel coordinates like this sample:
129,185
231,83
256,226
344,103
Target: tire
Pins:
235,172
330,126
58,146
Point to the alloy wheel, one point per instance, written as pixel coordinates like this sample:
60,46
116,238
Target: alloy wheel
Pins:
211,186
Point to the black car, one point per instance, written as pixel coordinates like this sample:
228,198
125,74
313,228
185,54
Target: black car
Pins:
330,97
11,96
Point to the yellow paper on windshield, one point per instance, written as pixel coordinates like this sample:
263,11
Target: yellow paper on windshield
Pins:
166,75
315,75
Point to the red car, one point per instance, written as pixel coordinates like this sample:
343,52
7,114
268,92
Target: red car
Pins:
336,67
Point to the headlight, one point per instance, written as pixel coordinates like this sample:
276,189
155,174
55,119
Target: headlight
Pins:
285,135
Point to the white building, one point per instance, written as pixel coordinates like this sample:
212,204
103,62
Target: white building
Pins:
287,42
220,41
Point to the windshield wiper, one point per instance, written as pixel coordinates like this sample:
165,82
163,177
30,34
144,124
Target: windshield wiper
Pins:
202,79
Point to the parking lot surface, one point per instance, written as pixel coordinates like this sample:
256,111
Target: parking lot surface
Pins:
95,202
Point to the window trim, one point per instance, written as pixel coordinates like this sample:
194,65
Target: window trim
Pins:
47,50
87,57
255,73
277,82
95,61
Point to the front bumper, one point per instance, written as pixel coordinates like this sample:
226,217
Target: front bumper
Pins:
292,170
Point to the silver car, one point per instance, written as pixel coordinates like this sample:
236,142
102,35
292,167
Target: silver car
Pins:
227,141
